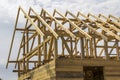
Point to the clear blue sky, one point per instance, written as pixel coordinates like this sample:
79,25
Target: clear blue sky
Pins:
8,11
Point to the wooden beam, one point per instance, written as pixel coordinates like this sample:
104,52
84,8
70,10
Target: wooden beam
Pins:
31,53
31,37
56,49
102,27
60,25
35,26
50,49
106,50
13,37
109,20
111,16
103,23
117,50
67,47
74,25
82,48
90,27
43,22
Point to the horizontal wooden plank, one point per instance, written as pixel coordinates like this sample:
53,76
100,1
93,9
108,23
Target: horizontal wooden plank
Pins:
70,74
112,78
112,69
44,76
112,73
46,72
69,68
70,79
89,62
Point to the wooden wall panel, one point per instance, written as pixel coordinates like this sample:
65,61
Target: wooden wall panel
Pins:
45,72
72,69
112,72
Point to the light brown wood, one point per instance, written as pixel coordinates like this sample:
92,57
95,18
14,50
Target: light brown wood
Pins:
59,46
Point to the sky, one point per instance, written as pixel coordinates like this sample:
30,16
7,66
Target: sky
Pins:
8,11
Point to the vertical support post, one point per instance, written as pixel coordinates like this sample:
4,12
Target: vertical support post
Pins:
45,44
39,49
27,45
76,47
63,49
71,43
24,45
39,52
24,53
50,49
106,50
82,48
86,47
27,48
91,48
94,44
56,45
45,50
18,69
117,50
56,48
90,43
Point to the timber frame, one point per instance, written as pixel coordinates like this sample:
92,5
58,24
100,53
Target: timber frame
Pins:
47,37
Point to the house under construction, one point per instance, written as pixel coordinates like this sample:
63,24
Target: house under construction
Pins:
66,46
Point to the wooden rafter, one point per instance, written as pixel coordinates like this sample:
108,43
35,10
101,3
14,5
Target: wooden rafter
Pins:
47,37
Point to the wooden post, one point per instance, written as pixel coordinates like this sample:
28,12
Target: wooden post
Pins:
86,47
18,69
55,45
94,44
82,48
24,48
106,50
63,49
117,50
45,50
39,48
91,48
56,48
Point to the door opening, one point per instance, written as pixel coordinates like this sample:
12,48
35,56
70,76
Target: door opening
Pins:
93,73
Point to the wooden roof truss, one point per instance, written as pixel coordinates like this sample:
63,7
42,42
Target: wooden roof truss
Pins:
69,35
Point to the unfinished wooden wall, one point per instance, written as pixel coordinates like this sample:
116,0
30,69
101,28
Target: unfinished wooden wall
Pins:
71,40
67,69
